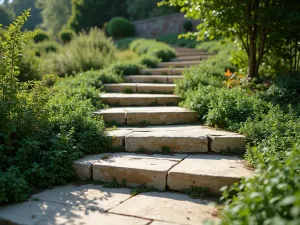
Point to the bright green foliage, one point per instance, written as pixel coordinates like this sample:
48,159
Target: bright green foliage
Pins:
55,13
66,35
256,24
149,61
41,36
86,51
272,197
125,68
124,43
119,27
86,13
187,25
173,39
153,48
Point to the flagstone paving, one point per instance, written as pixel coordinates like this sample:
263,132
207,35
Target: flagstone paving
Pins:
160,145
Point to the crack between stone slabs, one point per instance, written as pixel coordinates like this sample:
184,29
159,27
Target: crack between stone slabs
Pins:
172,168
145,218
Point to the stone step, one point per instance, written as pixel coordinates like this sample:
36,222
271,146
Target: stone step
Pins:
178,64
116,99
177,138
163,71
148,115
192,53
140,88
190,58
165,79
177,171
194,50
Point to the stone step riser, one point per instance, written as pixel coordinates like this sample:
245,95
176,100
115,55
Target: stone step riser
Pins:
122,88
163,71
177,172
190,58
180,54
153,118
194,50
141,101
162,79
178,64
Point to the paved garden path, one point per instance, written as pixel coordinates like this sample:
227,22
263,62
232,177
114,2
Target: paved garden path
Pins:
184,154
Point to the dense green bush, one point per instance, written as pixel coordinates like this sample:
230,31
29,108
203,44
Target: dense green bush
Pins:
125,68
43,128
119,27
66,35
86,51
149,61
157,49
173,39
41,36
124,43
272,197
187,25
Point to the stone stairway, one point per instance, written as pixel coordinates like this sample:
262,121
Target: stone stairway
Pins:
159,144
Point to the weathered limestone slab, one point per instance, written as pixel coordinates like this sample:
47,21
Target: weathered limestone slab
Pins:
162,71
120,87
83,166
234,143
139,99
211,171
168,207
181,140
46,213
187,58
178,49
87,196
118,137
111,116
156,88
135,169
178,64
146,78
171,79
162,223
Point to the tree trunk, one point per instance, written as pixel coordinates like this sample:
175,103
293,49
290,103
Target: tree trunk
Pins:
252,63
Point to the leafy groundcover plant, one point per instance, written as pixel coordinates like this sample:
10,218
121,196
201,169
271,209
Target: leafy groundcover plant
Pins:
42,128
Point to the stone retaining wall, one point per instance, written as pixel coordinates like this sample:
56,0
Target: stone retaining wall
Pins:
163,25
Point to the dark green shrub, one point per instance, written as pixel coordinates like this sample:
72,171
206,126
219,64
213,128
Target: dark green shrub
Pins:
149,61
187,25
272,197
153,48
66,35
41,36
119,27
124,43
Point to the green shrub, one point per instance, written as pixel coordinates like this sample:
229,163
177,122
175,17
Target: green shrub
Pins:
187,25
125,68
173,39
153,48
124,43
86,51
41,36
210,46
272,197
149,61
66,35
119,27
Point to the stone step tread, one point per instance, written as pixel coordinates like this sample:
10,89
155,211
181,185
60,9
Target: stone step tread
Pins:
89,204
177,138
138,99
160,71
178,171
180,64
140,88
165,79
154,115
190,58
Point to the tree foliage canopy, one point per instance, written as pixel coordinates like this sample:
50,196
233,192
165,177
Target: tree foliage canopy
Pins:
258,24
